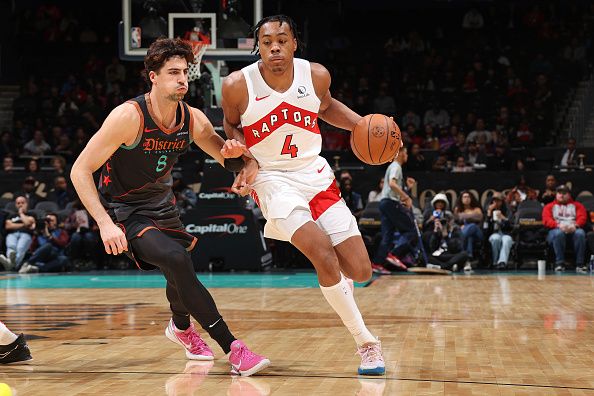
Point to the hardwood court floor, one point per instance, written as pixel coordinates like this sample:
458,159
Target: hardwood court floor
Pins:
468,335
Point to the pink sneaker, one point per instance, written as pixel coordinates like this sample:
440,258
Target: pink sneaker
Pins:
245,362
372,359
196,348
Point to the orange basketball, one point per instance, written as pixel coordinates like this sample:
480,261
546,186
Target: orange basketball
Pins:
375,139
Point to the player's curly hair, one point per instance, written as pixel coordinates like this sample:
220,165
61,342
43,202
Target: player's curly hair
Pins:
163,49
280,19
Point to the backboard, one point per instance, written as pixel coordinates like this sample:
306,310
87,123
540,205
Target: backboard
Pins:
225,23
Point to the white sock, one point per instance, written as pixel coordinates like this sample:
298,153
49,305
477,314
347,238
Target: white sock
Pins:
342,301
6,336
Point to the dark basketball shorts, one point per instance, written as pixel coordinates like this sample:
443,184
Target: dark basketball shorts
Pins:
136,225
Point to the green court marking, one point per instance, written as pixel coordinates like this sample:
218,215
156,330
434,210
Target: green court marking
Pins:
135,280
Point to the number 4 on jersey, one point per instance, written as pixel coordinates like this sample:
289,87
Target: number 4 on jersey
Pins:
289,148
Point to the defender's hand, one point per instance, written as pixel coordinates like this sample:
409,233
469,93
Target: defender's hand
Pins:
243,182
113,238
233,149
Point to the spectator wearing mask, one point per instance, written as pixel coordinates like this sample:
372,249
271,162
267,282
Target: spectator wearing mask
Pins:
566,219
499,226
19,235
48,255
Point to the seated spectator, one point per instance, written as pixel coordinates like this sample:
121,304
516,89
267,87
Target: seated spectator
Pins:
28,191
19,234
411,118
84,250
60,193
384,103
436,117
549,192
519,193
441,235
480,133
566,219
501,160
38,145
474,157
7,164
460,166
353,199
469,216
49,245
447,138
458,148
498,218
441,163
59,165
416,160
185,197
375,195
32,167
430,142
570,155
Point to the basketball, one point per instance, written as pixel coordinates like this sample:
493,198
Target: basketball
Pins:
375,139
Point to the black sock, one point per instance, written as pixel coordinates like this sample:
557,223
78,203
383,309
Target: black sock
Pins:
220,332
181,322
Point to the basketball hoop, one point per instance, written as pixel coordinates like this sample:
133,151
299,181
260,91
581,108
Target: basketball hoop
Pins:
199,48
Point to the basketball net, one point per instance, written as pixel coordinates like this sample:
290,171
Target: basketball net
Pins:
199,48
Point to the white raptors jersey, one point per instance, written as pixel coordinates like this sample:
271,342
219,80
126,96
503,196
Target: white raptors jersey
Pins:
281,129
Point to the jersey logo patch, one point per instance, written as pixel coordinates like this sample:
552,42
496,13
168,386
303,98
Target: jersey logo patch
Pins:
261,98
302,92
146,130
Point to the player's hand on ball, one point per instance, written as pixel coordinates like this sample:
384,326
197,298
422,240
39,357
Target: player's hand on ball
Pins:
233,149
113,239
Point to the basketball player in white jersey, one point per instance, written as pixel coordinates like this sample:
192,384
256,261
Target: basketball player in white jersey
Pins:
274,105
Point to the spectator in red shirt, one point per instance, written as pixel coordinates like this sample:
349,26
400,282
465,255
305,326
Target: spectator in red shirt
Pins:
565,219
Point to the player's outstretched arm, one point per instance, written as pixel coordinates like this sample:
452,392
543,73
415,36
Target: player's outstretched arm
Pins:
120,127
331,110
227,153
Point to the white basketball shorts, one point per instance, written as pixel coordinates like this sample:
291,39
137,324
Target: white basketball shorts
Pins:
289,199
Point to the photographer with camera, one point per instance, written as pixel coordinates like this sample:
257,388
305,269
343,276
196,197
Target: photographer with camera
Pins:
499,227
49,245
442,236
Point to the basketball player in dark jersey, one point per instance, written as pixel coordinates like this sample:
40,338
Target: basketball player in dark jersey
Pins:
135,209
